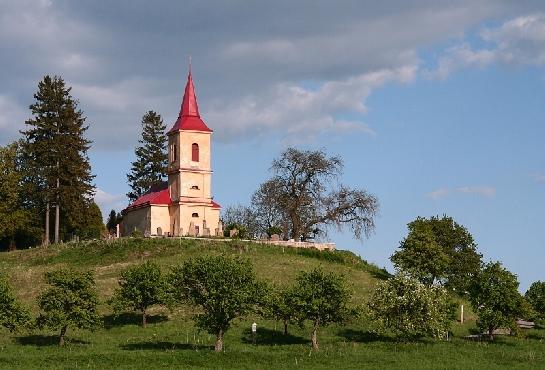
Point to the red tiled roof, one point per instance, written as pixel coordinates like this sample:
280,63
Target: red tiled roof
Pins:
215,205
189,117
156,198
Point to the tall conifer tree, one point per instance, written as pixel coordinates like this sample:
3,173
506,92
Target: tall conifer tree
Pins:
150,167
56,152
14,217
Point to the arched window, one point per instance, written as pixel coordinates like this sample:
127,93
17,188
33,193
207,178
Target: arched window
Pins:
195,152
195,215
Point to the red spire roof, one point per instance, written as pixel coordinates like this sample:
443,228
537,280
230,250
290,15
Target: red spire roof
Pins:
189,118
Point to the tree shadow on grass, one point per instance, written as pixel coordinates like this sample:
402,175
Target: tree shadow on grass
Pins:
130,318
535,336
272,337
165,346
361,336
46,340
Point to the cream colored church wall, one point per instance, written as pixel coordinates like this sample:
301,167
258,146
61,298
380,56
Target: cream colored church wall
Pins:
211,215
160,217
137,219
186,140
190,179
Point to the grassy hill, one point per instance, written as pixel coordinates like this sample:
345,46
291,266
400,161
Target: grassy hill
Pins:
172,340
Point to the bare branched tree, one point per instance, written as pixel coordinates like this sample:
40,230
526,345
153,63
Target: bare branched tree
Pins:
305,198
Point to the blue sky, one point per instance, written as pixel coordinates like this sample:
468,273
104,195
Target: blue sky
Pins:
436,107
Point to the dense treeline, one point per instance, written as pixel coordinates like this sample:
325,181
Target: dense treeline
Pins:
46,190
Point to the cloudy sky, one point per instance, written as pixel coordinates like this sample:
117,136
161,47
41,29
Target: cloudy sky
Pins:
435,106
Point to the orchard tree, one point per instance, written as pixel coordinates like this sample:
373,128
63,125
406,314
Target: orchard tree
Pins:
410,308
495,298
280,306
150,167
439,249
421,256
536,297
70,301
322,298
140,287
223,288
304,197
14,217
56,158
12,314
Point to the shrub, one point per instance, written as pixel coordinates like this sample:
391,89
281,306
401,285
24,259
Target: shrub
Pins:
12,314
410,308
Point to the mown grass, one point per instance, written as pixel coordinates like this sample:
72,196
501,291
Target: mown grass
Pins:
171,340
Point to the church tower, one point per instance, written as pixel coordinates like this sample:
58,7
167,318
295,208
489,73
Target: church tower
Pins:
192,210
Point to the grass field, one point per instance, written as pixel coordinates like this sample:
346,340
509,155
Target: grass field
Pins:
172,341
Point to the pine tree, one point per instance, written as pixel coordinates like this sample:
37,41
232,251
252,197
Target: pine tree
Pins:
111,223
56,152
150,166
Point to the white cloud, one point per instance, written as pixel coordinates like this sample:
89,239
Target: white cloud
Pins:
438,194
130,94
539,177
517,41
293,110
110,58
107,201
458,57
485,191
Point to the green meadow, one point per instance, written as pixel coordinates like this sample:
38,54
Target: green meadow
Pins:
171,340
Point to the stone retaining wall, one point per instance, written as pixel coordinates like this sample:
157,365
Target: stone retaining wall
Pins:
293,244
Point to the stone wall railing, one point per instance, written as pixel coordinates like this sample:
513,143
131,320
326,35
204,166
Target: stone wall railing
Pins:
294,244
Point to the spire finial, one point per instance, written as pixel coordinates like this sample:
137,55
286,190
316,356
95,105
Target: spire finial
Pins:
190,64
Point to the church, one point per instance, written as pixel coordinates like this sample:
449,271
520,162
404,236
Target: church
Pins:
184,206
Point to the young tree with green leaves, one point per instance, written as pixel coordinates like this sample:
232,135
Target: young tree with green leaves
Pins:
223,288
150,167
56,158
439,249
536,297
421,256
495,298
13,315
13,217
411,308
140,287
322,298
71,300
280,306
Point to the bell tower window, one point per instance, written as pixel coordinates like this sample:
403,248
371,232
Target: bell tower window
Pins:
195,152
